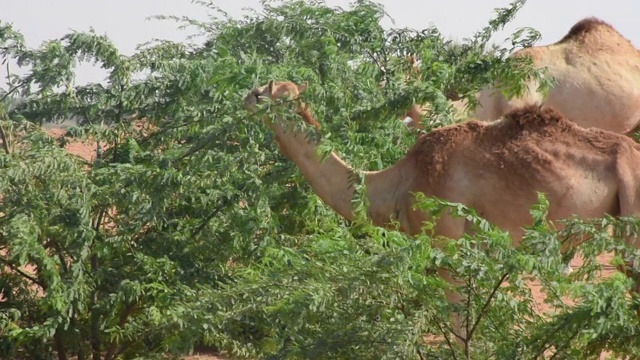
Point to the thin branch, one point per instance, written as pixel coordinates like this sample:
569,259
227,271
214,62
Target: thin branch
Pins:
98,221
60,347
5,144
124,316
468,334
446,337
206,220
485,307
122,348
94,327
558,349
375,61
9,82
166,129
13,89
546,344
23,274
74,325
60,254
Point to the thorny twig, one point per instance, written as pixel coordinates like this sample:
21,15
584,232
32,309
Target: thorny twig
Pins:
485,307
23,274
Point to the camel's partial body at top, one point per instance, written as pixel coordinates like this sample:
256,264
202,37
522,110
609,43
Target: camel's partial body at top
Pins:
598,80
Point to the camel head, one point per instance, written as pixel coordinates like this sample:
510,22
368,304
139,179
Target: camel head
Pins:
274,90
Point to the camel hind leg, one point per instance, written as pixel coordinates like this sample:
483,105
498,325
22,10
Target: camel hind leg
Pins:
629,200
450,228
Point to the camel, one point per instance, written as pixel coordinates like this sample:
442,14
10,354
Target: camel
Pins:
496,168
598,80
413,117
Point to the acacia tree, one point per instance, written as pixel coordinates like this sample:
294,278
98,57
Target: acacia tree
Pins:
189,227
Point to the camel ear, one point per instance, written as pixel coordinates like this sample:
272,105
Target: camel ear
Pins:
302,87
271,86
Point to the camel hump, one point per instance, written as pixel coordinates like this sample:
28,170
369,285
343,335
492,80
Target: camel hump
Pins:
536,116
586,27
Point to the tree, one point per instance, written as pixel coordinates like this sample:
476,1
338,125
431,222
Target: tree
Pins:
189,227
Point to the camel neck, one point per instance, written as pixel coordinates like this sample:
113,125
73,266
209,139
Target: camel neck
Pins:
328,177
332,179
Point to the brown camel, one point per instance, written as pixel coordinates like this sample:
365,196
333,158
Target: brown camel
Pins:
598,79
413,117
495,168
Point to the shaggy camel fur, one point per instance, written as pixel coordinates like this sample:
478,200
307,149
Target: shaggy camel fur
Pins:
598,75
495,168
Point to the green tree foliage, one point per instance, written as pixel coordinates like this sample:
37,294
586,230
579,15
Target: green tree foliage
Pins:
190,227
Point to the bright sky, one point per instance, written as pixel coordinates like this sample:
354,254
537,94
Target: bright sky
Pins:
124,20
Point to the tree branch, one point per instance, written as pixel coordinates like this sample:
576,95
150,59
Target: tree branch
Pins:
94,327
5,144
446,337
206,220
23,274
485,307
468,334
56,246
545,342
61,349
124,316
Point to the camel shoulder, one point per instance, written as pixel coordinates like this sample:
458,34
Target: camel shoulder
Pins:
534,117
526,120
